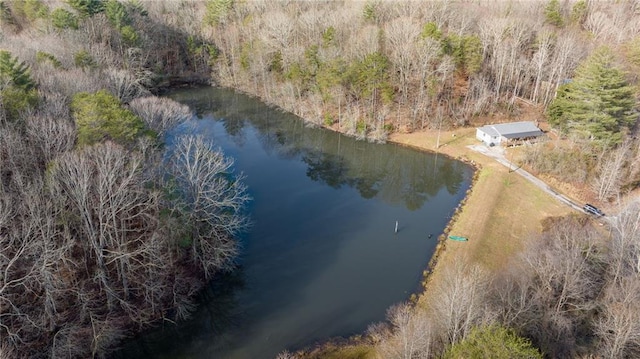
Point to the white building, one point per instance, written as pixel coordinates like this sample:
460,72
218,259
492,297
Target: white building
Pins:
493,135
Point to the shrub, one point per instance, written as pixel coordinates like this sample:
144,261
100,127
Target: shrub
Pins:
42,57
129,36
328,120
30,10
83,60
566,164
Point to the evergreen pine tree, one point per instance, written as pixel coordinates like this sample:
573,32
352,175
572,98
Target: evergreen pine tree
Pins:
87,8
64,19
217,11
14,72
598,103
116,13
17,89
100,116
579,12
553,13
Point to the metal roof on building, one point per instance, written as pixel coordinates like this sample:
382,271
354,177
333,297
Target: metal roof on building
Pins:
512,129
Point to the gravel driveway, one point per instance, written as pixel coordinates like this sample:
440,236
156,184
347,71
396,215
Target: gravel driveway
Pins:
497,153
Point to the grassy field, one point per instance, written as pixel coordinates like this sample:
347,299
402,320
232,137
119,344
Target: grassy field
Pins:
502,210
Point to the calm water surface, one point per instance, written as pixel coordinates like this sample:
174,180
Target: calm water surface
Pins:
321,259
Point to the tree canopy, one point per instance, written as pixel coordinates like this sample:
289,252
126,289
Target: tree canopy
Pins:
87,8
217,11
14,72
64,19
100,116
598,104
493,341
370,77
17,88
553,13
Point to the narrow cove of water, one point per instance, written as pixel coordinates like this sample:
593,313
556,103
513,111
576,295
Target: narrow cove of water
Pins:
321,259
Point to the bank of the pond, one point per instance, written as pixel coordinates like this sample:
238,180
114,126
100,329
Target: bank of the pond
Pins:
501,210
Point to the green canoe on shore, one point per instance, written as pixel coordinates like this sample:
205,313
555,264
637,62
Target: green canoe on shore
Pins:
458,238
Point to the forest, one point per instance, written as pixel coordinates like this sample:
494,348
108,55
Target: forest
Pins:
102,236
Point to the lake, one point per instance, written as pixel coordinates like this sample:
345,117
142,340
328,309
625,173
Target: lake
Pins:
322,258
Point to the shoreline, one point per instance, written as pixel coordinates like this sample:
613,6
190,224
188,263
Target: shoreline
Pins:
442,237
498,213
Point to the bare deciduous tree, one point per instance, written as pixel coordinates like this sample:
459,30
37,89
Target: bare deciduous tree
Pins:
278,29
618,326
160,114
459,303
566,55
125,85
52,136
401,35
563,281
285,355
22,264
539,62
411,336
611,171
512,300
624,246
116,220
214,199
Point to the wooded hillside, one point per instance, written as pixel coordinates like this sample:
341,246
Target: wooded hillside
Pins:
102,234
401,63
368,68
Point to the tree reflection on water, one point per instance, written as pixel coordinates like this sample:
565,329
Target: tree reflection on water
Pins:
394,174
